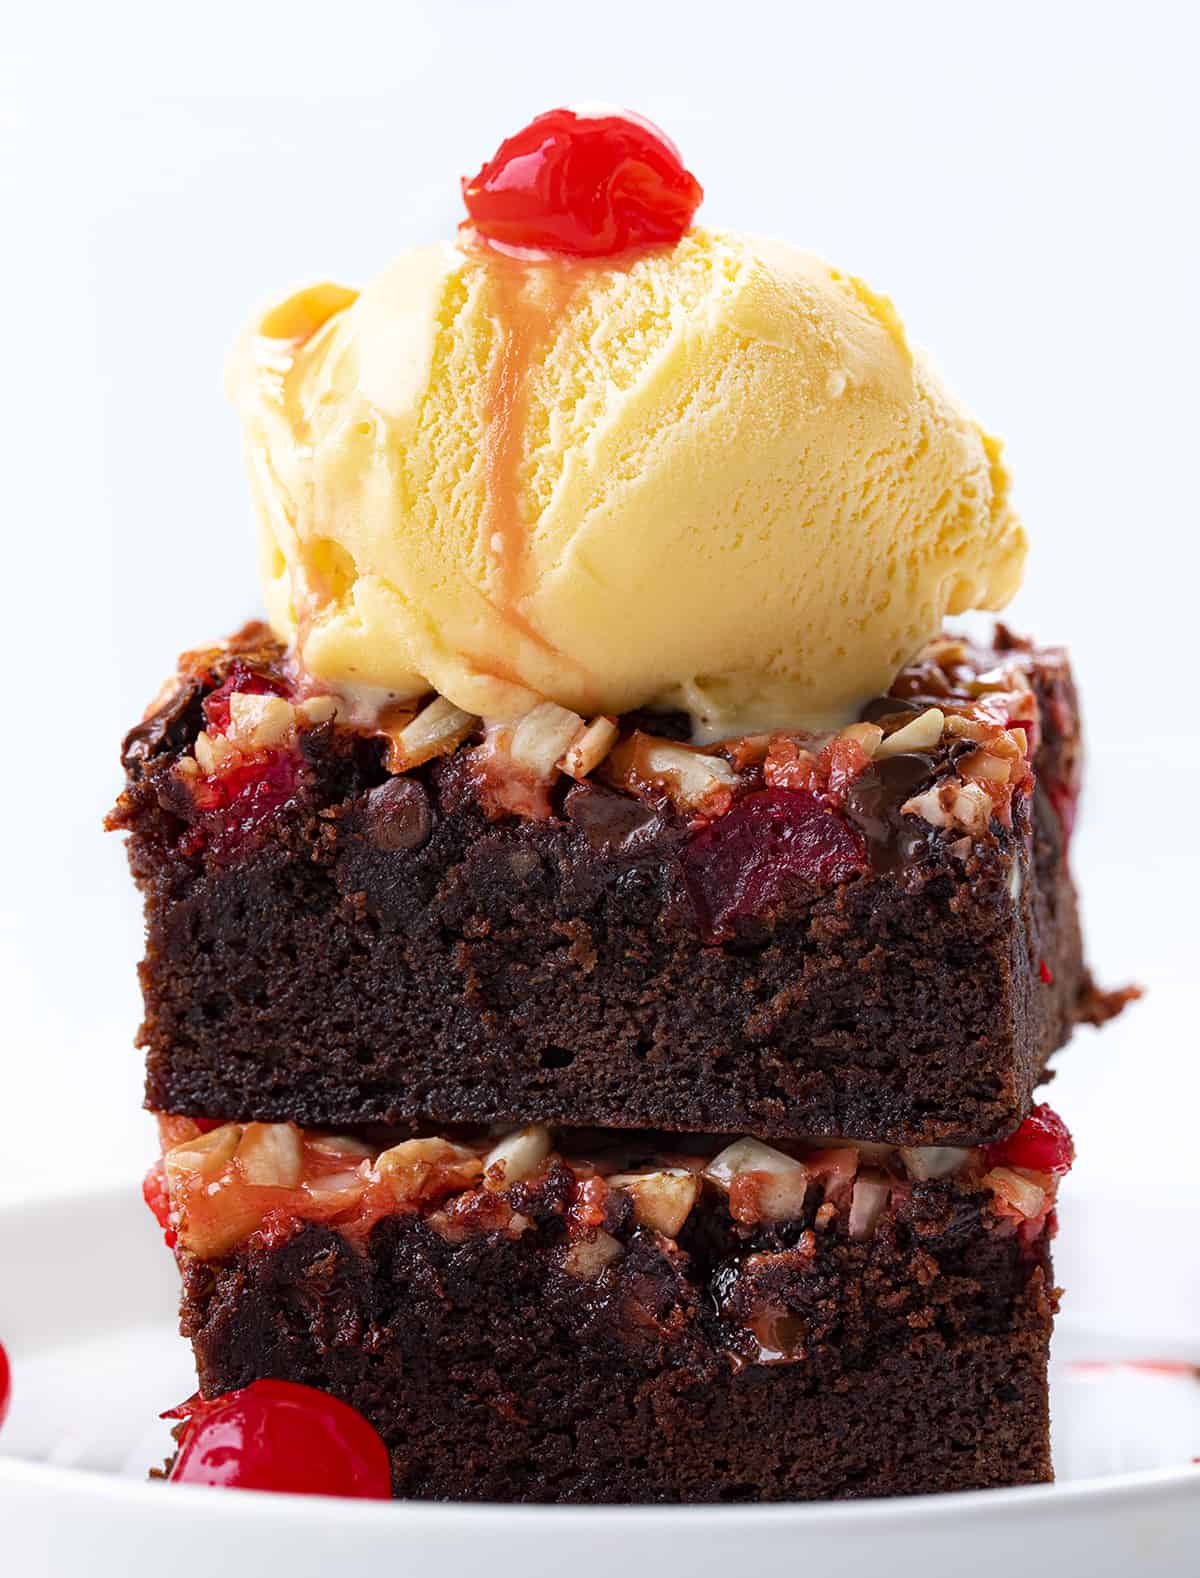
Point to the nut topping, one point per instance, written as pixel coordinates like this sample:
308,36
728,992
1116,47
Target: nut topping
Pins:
871,1191
269,1155
542,736
516,1157
435,731
589,750
586,1258
661,1200
259,722
205,1155
416,1170
763,1184
952,804
922,733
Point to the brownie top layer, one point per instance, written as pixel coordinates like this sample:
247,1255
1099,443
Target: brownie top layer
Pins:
944,763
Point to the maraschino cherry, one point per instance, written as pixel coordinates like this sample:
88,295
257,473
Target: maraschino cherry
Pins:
279,1435
5,1384
1043,1143
584,184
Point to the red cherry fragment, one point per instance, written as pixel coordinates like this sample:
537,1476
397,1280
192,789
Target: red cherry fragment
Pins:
5,1384
588,185
158,1198
279,1435
749,859
1043,1143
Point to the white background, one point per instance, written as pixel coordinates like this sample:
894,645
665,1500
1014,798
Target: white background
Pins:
1021,179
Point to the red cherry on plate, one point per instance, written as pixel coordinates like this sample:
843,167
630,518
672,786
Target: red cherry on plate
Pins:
584,184
278,1435
5,1384
1043,1143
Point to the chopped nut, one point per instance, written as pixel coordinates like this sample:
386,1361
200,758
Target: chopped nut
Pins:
517,1156
270,1156
919,734
947,651
868,735
986,765
661,1200
932,1161
211,751
435,731
416,1168
205,1155
586,1258
1017,1191
339,1145
259,722
871,1190
1007,745
952,804
540,738
693,775
778,1182
337,1191
967,728
1016,880
590,749
318,709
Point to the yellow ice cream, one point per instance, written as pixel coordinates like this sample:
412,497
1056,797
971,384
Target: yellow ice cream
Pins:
717,476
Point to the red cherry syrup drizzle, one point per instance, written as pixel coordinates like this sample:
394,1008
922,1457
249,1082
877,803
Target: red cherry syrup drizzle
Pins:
583,186
280,1436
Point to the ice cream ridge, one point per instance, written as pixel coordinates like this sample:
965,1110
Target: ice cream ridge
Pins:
593,454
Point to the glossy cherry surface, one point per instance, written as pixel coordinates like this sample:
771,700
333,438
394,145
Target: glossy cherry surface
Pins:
5,1384
1043,1143
582,184
279,1435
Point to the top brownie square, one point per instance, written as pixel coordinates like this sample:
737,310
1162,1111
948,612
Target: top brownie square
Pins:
871,934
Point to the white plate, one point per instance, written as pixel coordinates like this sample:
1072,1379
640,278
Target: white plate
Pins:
87,1297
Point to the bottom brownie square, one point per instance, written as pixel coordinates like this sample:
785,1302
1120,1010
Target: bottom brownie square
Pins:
598,1317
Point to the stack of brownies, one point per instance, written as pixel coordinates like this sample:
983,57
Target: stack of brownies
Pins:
608,1116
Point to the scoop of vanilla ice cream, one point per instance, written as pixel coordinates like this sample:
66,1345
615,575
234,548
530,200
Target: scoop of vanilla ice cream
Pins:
716,476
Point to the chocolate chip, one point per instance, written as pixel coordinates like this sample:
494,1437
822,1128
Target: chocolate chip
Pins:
170,728
873,803
613,824
398,816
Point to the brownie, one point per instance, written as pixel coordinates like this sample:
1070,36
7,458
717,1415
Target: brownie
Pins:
832,943
574,1334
